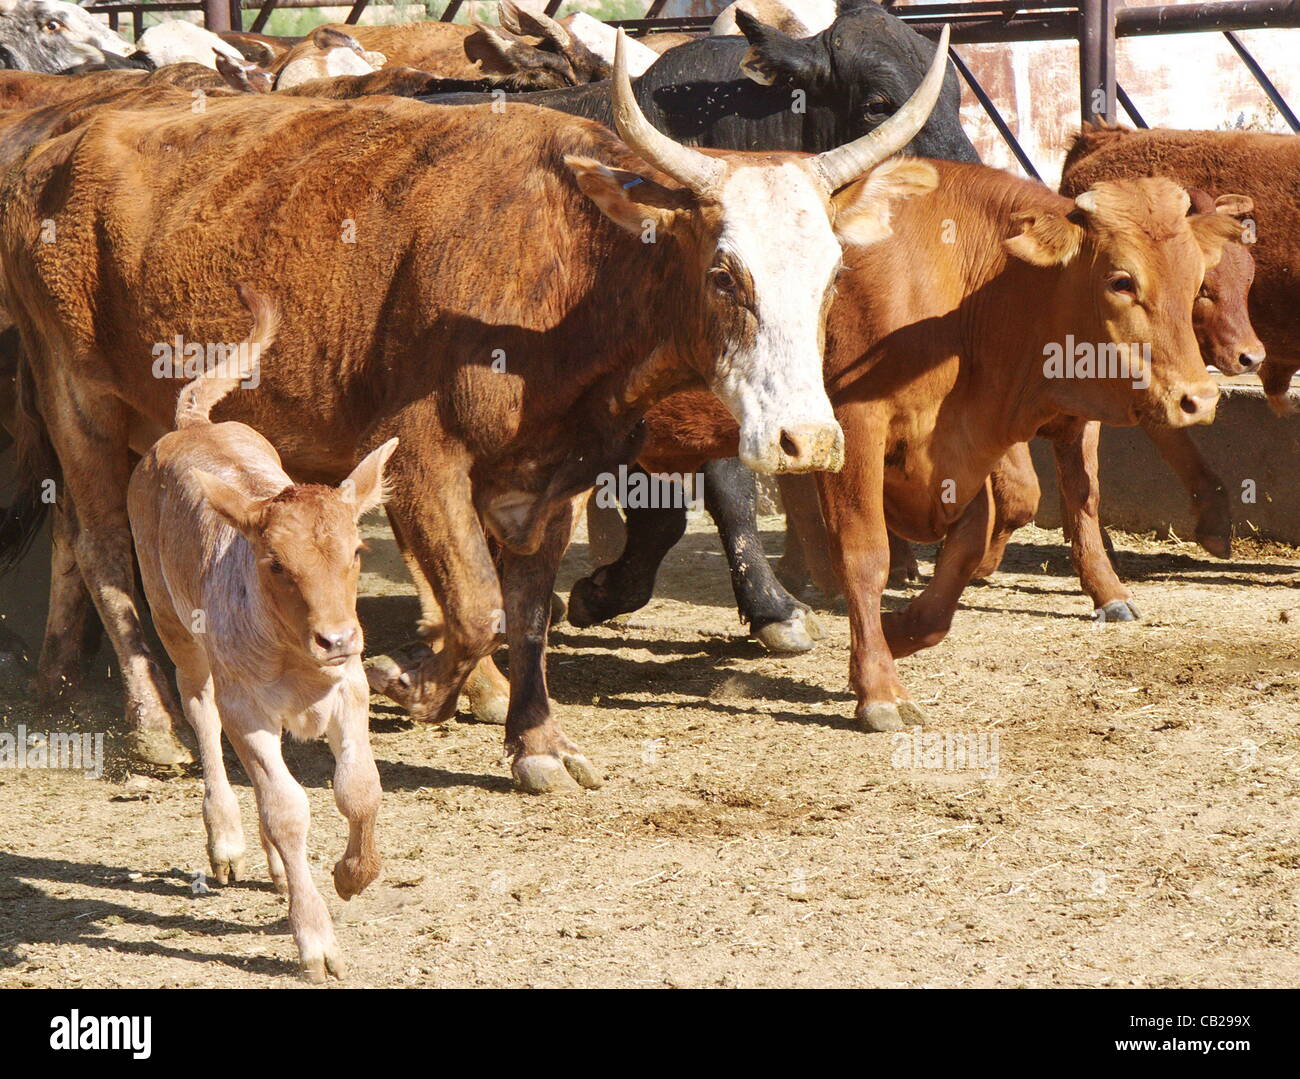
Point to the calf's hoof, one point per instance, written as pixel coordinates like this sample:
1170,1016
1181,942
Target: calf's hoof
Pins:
588,605
227,869
353,875
1117,610
156,747
557,609
317,968
879,717
539,773
795,635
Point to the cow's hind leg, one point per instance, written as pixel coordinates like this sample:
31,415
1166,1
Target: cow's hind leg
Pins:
1015,502
70,617
285,817
543,757
356,793
89,434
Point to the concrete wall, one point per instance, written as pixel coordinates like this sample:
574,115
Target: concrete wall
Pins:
1246,442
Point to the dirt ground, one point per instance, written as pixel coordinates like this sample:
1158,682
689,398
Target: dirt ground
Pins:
1139,828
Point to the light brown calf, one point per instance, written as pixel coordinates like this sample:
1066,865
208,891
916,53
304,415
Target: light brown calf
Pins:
252,582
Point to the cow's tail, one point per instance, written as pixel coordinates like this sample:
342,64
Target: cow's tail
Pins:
199,397
38,472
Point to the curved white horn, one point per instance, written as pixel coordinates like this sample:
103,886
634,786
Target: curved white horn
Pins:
695,170
855,159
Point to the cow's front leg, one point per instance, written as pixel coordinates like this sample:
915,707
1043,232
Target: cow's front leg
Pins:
1075,445
1209,496
356,790
925,621
854,512
542,756
433,512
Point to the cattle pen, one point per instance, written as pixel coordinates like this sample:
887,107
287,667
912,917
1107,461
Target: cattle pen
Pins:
1088,803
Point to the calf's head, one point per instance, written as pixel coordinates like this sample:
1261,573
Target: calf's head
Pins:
1132,261
308,553
757,240
1221,316
53,35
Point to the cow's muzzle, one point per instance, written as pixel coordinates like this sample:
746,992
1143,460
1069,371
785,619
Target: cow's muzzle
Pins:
799,446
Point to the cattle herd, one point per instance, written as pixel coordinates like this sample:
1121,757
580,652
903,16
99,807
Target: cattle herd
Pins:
468,271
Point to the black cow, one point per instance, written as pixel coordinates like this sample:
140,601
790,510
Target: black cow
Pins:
815,93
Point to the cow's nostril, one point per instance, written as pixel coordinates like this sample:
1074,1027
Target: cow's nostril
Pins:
324,642
790,446
1189,404
1248,360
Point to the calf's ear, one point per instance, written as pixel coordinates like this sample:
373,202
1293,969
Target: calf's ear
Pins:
628,199
1212,231
776,57
863,209
1044,237
365,487
236,508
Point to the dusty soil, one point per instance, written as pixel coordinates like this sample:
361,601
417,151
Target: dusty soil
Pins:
1139,828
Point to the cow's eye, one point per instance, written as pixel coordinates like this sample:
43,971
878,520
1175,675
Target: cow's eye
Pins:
1124,284
880,108
276,566
723,281
53,25
1204,294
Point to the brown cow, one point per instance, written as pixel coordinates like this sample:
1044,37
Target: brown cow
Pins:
934,380
252,581
516,371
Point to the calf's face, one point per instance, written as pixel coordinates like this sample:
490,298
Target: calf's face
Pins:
757,241
308,555
1133,261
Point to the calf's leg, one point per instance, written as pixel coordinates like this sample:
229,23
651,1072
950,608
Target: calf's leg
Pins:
285,817
356,793
1015,502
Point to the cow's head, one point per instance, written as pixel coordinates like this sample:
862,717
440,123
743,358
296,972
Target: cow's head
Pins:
308,552
1133,260
1221,316
857,73
759,238
52,36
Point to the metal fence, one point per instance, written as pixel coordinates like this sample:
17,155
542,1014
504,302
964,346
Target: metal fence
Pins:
1094,24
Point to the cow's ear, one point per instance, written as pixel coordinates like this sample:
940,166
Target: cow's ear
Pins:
364,488
238,510
628,199
1212,231
863,209
1234,205
776,57
1044,237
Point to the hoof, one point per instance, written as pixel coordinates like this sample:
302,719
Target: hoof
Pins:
156,747
911,714
791,637
1117,610
878,717
584,604
557,609
317,968
540,773
1219,546
353,875
280,884
228,870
